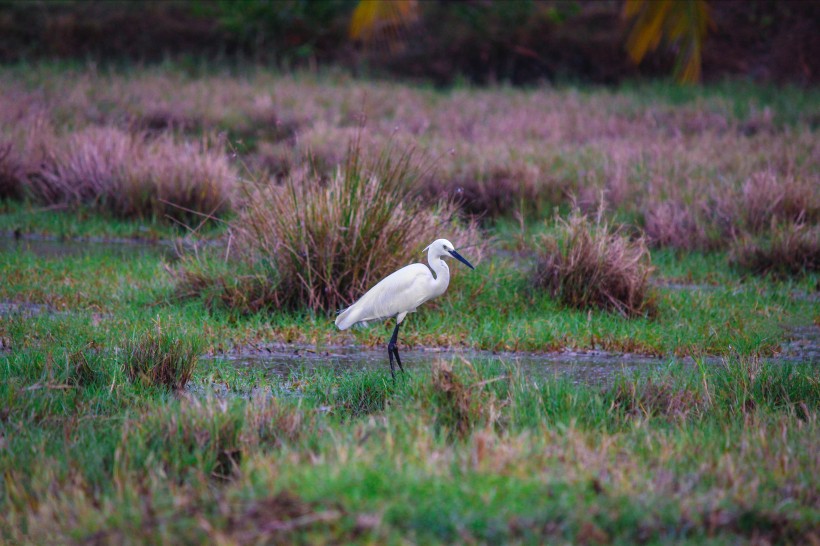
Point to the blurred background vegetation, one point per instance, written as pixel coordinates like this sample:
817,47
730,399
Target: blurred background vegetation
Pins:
481,41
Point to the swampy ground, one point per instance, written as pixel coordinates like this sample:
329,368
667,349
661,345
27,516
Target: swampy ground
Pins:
720,445
698,424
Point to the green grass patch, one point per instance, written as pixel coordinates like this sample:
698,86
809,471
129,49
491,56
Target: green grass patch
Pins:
643,458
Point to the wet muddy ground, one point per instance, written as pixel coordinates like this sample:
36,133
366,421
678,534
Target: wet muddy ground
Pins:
591,367
281,362
52,247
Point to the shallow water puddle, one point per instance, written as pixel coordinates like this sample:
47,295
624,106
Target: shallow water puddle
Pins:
580,367
45,247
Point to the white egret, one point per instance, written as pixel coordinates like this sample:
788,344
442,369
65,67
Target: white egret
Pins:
402,292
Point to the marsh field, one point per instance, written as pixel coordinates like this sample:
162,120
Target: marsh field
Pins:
176,241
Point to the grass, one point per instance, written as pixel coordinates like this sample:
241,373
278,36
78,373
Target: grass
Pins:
318,245
84,223
790,249
587,265
161,357
465,451
497,151
129,175
694,294
718,447
673,456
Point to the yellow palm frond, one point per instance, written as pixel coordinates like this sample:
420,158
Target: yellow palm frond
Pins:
378,21
681,24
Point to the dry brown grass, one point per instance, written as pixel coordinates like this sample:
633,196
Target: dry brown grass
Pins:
713,220
501,191
586,264
321,244
131,175
788,249
767,198
278,520
497,151
674,224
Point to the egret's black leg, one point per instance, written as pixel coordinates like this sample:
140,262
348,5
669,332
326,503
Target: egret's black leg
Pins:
392,367
392,350
396,352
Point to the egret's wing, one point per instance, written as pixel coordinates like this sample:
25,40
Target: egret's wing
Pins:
399,292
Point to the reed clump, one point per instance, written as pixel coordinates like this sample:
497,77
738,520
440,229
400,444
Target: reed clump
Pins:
320,244
587,264
131,175
768,200
678,225
789,249
161,357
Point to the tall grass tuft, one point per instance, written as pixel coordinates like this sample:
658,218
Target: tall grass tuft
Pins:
322,243
768,199
587,264
130,175
787,250
161,357
677,225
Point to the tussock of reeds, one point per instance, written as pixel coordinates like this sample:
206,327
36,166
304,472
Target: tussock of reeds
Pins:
502,191
130,175
587,264
161,357
787,250
321,244
767,198
677,225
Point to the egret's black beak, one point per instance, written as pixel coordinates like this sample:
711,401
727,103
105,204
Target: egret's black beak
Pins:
460,258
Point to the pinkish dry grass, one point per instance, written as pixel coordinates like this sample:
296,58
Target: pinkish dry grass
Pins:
695,173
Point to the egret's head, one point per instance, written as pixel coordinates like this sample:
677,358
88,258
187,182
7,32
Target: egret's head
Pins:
443,247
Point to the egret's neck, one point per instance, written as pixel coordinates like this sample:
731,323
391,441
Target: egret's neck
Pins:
440,271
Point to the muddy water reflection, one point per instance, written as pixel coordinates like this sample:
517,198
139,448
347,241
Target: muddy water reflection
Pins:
53,248
590,368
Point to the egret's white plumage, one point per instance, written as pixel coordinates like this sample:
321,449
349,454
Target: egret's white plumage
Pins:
403,291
